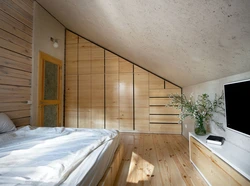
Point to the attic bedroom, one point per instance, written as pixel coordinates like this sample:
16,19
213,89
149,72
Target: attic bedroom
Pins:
87,92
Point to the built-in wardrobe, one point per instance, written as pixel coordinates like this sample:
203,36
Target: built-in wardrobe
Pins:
103,90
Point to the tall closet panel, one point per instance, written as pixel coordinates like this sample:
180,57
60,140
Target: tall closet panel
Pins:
97,59
141,103
84,56
71,53
126,95
97,100
85,107
84,85
71,101
111,91
97,86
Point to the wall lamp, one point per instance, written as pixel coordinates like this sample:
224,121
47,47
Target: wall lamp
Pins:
55,42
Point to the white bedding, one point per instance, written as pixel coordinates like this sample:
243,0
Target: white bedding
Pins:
52,156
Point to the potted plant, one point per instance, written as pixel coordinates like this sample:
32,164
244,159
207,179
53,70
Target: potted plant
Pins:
201,110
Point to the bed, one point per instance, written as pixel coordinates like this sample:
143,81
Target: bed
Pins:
59,156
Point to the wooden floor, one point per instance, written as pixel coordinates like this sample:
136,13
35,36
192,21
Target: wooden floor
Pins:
157,160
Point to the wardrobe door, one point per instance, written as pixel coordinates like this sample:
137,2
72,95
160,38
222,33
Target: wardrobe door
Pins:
141,99
84,83
97,86
126,95
71,80
111,91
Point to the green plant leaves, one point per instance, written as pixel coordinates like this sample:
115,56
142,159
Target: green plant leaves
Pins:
201,109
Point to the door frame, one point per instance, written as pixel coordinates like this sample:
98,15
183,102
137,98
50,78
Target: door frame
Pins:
42,58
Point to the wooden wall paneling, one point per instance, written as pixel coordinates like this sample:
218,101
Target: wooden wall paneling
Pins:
126,101
5,80
8,89
15,11
71,53
97,59
141,101
85,107
159,101
164,93
97,100
10,72
84,56
14,106
11,42
21,121
20,9
11,29
164,110
14,98
84,73
112,101
25,5
71,80
97,89
126,95
18,114
166,128
12,56
155,82
106,91
71,101
15,64
139,70
125,66
169,85
164,118
111,90
16,59
12,21
111,63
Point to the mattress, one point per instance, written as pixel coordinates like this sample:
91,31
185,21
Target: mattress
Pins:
56,156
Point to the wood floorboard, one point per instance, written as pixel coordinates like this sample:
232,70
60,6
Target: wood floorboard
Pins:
156,160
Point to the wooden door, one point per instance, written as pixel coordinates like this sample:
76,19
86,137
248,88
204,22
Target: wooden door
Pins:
49,91
126,113
141,97
97,86
71,78
111,91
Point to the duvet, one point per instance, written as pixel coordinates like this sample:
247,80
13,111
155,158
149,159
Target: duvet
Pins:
47,156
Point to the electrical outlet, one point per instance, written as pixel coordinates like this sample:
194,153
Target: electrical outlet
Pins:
185,125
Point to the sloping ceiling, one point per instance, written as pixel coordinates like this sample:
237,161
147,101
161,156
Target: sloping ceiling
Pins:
184,41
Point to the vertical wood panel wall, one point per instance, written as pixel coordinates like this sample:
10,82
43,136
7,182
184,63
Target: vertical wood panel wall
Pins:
16,20
104,90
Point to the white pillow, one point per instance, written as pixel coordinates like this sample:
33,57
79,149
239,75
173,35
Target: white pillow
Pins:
6,125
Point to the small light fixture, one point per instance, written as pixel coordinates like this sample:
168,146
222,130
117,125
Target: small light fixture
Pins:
55,42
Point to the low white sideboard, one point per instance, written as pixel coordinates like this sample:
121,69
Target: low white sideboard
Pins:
224,164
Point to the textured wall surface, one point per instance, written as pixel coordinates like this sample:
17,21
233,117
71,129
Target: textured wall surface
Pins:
211,88
45,26
185,41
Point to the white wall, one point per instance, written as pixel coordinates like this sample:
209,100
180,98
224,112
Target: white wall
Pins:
212,87
45,26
